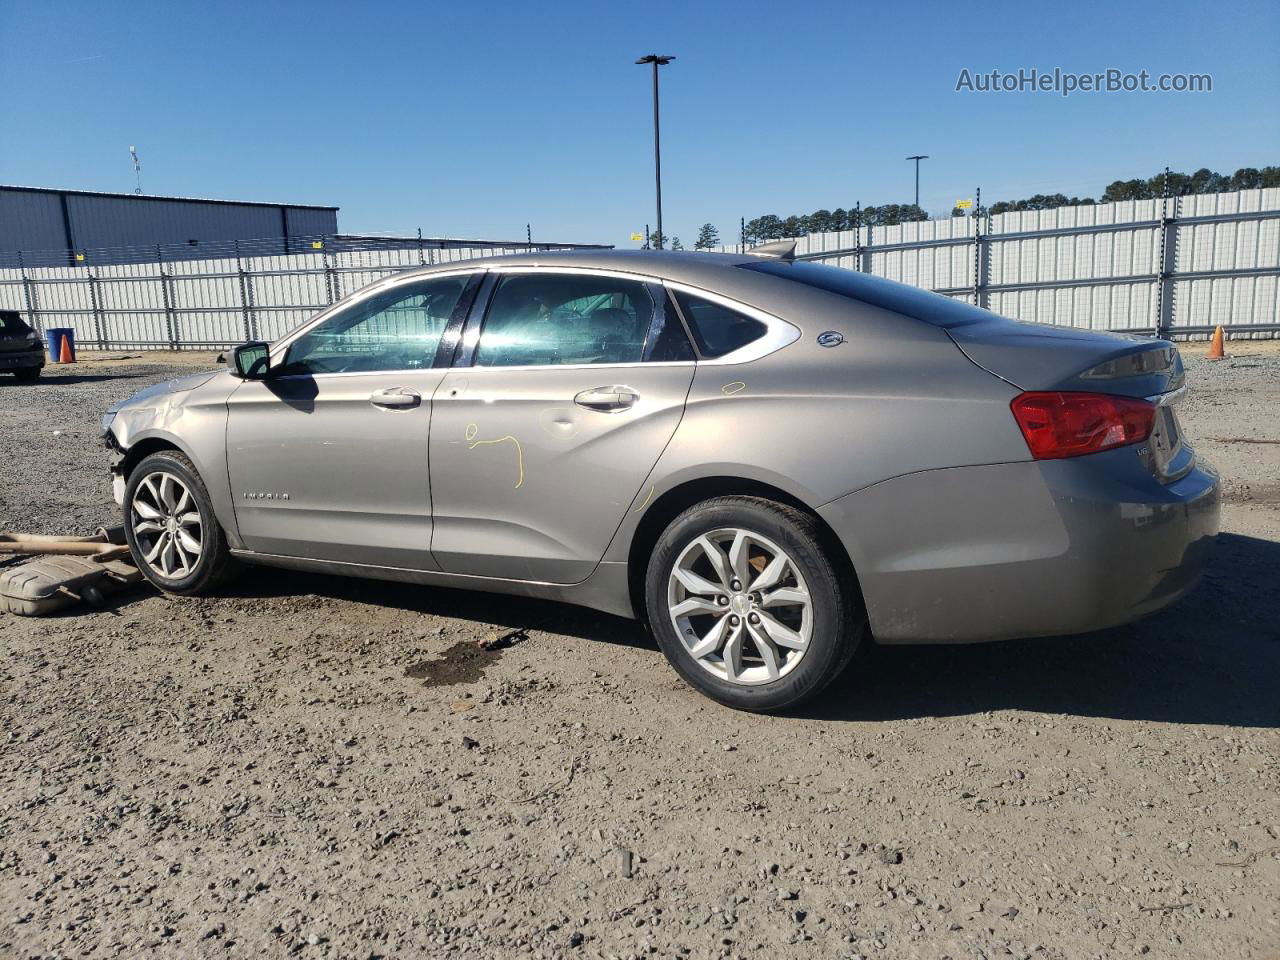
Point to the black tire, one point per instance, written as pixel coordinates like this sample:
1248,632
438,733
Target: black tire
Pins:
215,565
838,621
27,374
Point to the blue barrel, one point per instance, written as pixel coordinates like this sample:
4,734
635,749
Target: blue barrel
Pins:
54,336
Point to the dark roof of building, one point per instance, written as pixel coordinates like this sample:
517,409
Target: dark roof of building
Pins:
150,196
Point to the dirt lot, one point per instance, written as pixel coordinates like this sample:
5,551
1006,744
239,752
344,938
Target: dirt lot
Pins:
325,768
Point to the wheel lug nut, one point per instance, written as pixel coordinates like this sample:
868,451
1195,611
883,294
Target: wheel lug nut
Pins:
734,620
722,600
754,618
737,585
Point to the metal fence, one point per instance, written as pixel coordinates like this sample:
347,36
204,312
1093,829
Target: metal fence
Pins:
233,291
1171,267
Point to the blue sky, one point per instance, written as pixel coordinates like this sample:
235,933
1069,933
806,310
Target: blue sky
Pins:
473,119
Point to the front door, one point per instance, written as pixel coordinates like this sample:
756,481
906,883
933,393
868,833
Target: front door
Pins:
542,436
328,457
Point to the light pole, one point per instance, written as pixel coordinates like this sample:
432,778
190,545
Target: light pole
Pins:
137,169
657,61
917,158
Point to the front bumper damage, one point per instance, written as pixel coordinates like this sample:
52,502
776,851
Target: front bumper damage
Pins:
116,465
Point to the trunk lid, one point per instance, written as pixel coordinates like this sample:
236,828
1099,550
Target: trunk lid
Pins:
1036,356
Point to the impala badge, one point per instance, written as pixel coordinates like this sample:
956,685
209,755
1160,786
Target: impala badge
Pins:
264,495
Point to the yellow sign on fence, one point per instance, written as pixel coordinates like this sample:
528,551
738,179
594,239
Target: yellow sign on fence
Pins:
964,204
317,245
637,238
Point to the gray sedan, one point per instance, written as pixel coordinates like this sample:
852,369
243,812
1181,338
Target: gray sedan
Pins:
770,462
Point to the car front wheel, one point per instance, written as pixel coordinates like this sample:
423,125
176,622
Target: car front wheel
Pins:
748,606
171,528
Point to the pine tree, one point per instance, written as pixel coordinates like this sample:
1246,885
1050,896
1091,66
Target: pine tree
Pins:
708,238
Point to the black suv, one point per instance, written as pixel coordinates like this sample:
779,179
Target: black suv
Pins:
21,352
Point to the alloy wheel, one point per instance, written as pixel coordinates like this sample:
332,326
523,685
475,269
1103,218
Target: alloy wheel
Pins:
740,606
167,526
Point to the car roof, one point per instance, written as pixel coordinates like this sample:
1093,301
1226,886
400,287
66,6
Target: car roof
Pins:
698,269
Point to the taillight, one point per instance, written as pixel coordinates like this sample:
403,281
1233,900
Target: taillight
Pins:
1061,424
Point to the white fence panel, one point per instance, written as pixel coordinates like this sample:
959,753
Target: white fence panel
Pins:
1182,265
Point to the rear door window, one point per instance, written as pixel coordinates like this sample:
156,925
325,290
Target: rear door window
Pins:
719,330
667,341
549,319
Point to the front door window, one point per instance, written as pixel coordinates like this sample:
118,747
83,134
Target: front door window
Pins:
397,329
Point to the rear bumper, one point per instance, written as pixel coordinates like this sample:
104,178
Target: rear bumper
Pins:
1025,549
22,359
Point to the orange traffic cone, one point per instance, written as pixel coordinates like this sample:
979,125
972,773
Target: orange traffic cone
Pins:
64,354
1215,345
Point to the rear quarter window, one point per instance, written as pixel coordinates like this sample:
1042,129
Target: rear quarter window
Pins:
718,330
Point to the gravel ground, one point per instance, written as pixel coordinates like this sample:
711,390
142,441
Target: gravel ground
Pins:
315,767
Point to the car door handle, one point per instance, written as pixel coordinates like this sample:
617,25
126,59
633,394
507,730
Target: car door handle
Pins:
607,399
396,397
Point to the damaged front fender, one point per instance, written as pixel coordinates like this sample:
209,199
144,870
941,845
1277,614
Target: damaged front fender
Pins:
188,414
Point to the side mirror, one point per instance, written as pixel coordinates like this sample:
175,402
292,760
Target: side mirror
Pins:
250,360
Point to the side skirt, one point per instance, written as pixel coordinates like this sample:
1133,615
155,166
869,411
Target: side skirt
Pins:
606,590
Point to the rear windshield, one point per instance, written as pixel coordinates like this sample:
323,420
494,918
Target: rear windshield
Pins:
12,325
911,301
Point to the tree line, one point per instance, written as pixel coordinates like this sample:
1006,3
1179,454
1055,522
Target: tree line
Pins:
772,227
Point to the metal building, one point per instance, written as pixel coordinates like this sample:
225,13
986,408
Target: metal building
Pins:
132,226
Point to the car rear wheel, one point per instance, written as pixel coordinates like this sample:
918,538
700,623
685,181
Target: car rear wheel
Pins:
748,606
171,528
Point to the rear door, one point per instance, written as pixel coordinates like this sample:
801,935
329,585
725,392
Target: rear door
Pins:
328,457
567,388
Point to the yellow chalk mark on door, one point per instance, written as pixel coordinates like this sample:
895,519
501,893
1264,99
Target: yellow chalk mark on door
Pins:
473,431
